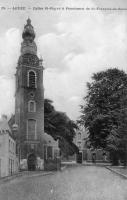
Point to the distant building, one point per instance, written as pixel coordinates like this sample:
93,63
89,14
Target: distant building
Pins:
81,138
82,141
8,159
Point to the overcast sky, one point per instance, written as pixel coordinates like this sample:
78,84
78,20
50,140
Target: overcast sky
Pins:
73,44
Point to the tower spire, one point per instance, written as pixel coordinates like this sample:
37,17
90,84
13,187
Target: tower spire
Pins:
28,32
28,45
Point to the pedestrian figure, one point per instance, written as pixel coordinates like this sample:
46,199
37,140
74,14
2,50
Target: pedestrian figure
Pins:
94,157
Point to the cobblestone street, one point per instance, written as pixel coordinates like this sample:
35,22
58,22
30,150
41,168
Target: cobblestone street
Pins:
77,183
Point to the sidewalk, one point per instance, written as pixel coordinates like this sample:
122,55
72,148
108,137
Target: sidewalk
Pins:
118,170
24,174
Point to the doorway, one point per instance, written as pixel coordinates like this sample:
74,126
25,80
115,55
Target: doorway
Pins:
31,162
80,157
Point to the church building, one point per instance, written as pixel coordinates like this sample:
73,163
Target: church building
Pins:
29,100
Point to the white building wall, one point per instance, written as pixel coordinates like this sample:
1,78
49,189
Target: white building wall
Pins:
12,159
7,152
80,138
4,154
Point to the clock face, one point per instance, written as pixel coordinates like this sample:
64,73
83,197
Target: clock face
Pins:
32,94
31,60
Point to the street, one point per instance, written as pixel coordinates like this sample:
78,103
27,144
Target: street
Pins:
74,183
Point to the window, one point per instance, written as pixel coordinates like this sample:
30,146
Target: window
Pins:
9,166
32,146
31,129
79,145
31,106
32,94
79,136
32,79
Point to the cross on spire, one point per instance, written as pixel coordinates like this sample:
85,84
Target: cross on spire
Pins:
28,21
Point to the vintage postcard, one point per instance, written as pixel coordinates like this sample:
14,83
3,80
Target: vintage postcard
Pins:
63,83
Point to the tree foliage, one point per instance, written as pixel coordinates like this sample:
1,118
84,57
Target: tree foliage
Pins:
103,110
59,126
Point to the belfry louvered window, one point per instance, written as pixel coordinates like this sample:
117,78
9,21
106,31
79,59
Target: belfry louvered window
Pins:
31,79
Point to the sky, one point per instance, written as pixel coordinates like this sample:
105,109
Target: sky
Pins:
73,43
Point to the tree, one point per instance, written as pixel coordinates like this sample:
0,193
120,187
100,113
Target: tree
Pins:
59,126
101,110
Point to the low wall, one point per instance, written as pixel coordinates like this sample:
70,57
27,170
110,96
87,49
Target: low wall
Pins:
99,155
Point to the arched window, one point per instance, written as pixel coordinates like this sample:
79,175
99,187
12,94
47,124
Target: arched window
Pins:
79,136
32,79
31,106
31,129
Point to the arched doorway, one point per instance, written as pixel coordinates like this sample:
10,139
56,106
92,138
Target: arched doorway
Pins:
31,162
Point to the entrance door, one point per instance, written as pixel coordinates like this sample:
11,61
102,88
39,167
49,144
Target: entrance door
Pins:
31,162
79,157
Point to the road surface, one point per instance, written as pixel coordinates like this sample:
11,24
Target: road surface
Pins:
76,183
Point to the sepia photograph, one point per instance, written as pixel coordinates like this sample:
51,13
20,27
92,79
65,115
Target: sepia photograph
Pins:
63,100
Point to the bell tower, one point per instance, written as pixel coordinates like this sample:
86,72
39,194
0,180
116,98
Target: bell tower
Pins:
29,97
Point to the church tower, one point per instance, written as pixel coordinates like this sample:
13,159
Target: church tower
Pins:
29,97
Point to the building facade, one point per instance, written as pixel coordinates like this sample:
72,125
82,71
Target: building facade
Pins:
29,99
81,138
8,159
86,151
